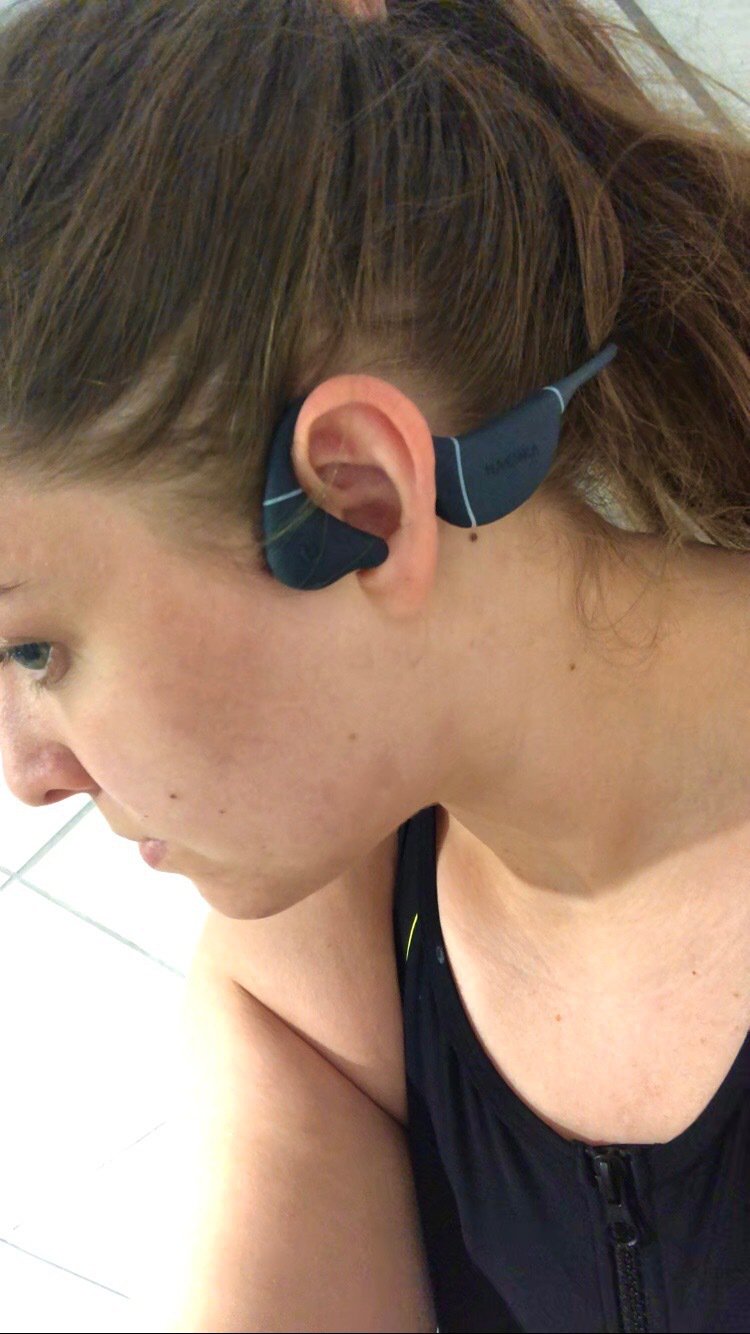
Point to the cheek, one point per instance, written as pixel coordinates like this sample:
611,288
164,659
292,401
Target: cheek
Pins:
163,744
222,741
272,794
147,733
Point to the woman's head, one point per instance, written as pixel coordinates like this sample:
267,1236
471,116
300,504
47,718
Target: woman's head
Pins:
207,211
269,736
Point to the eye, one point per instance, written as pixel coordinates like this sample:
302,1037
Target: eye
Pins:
27,656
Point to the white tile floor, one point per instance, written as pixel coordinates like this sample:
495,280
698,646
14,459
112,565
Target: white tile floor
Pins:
93,949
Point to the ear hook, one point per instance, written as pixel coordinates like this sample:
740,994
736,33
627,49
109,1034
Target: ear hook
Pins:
507,460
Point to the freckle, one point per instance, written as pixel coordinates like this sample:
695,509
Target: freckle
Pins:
736,995
173,796
352,736
694,973
222,812
558,1017
473,537
572,666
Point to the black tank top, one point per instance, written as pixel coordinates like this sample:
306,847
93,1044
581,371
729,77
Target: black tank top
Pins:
525,1230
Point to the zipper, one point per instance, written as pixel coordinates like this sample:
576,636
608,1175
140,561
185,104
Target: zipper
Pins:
611,1168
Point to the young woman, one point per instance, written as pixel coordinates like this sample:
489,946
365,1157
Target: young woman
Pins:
425,657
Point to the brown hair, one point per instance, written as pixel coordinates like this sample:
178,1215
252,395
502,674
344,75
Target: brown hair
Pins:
203,206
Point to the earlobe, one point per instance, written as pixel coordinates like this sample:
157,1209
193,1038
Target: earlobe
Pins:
403,583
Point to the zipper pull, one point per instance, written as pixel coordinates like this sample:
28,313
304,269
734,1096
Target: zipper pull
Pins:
609,1170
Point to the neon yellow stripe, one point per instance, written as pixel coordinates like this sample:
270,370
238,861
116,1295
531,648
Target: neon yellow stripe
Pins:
411,933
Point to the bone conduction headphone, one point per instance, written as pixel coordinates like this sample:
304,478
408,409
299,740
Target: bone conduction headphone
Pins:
479,478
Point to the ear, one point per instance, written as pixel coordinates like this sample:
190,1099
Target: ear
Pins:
363,452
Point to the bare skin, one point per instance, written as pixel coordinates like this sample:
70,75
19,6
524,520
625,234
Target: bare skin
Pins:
595,846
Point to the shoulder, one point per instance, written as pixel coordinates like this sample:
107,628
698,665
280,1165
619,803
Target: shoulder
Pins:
327,967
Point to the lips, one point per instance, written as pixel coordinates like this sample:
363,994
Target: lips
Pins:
152,850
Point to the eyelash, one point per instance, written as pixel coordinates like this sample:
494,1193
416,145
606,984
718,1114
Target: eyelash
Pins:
7,657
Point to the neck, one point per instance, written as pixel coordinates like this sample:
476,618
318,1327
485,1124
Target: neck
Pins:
591,767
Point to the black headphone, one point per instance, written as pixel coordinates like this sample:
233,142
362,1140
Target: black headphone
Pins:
503,464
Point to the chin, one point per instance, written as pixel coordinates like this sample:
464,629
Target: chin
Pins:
235,902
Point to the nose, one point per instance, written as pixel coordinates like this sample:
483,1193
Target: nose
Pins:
45,774
39,768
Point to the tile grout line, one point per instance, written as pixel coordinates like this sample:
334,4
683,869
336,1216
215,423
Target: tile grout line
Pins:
43,1260
17,877
676,65
29,1220
127,1148
51,842
90,921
